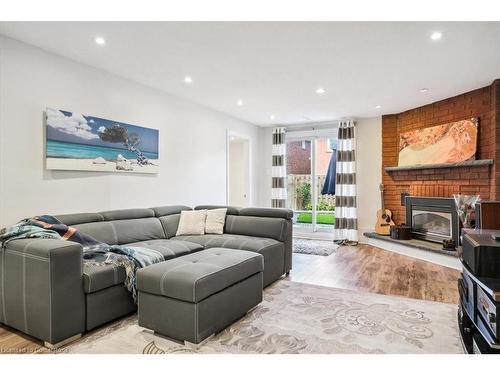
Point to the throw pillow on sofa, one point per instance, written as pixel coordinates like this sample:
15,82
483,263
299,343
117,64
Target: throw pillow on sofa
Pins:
215,221
192,223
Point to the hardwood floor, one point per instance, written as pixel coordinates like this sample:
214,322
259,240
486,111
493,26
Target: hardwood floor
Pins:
370,269
15,342
363,267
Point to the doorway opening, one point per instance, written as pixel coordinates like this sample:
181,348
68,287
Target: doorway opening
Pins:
238,170
311,163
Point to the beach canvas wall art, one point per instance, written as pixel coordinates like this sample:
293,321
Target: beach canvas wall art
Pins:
442,144
86,143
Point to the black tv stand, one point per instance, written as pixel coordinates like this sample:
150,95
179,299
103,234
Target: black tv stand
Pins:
477,323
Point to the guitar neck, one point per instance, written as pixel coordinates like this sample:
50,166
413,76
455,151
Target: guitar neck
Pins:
382,199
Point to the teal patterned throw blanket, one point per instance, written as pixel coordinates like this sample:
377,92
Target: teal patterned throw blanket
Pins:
95,253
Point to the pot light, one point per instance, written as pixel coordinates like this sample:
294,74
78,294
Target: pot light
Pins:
100,41
272,117
188,79
320,91
378,106
425,89
239,103
436,35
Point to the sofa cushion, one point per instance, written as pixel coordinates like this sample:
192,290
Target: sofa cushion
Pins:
169,210
132,213
269,227
103,231
197,276
170,248
170,224
96,278
283,213
73,219
231,241
119,232
134,230
231,210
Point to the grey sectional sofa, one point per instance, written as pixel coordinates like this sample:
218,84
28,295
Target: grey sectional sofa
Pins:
46,292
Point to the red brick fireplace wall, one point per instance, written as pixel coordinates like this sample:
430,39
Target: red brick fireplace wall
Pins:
483,103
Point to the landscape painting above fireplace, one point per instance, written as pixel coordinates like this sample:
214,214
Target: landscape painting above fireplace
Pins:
448,143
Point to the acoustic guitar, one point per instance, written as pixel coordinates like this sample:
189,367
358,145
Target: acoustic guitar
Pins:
384,217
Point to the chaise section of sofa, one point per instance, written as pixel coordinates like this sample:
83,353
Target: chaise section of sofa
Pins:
47,292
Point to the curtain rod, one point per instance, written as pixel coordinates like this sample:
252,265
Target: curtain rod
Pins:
316,125
311,126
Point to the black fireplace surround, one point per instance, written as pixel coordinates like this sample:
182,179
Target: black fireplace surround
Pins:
432,219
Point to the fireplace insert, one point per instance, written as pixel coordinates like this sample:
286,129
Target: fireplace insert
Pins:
432,219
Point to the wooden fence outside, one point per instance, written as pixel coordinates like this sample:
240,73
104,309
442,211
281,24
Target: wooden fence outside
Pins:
296,180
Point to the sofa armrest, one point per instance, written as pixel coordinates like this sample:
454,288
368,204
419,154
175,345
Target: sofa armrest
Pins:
41,288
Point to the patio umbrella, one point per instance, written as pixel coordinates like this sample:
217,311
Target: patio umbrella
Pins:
329,185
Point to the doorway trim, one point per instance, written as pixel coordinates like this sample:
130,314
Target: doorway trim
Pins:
229,134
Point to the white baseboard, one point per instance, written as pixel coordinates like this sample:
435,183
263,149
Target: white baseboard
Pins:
429,256
361,237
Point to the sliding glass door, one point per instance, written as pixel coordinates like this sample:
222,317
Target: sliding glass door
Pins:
299,177
311,182
324,197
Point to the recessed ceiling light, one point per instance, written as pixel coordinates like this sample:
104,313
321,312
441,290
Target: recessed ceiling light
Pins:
425,89
320,91
100,41
378,106
272,117
239,103
188,79
436,35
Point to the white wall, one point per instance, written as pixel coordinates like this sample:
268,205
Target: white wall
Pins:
192,139
368,174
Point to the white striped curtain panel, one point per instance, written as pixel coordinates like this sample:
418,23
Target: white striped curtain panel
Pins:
346,222
278,173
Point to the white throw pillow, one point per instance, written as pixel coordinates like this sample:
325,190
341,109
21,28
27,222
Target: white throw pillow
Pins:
215,221
192,222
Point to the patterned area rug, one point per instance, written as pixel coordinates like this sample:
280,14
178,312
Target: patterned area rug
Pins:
313,247
303,318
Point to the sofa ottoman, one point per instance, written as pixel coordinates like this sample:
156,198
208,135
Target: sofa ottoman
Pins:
194,296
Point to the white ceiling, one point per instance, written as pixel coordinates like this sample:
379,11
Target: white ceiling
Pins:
276,67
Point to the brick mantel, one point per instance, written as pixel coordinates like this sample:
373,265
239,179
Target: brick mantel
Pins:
483,103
